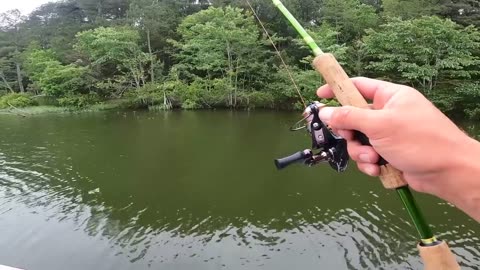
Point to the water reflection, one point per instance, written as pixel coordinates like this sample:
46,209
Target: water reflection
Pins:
196,190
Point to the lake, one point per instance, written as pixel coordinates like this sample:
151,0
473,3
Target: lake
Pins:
197,190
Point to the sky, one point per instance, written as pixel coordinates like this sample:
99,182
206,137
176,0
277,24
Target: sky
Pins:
25,6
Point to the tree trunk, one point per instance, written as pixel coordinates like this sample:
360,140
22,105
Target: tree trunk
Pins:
359,65
230,71
142,74
152,61
5,81
17,66
19,77
99,9
236,83
164,99
135,77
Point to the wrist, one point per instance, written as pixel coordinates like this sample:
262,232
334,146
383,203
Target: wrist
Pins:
462,178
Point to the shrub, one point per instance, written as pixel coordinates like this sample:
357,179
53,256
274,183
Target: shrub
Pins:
16,100
148,95
44,100
160,108
203,93
78,101
257,99
190,105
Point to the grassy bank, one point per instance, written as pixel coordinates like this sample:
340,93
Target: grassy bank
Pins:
33,110
36,110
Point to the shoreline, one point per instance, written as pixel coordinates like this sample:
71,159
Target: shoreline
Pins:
41,110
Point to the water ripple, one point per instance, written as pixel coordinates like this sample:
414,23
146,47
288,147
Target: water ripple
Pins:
51,204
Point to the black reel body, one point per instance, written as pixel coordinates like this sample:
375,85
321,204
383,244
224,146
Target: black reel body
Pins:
331,147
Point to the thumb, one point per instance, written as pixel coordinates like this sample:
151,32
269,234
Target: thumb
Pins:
352,118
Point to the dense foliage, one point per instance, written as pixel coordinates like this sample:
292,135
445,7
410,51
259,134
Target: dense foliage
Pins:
163,54
16,100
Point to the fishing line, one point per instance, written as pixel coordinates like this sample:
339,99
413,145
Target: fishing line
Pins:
279,54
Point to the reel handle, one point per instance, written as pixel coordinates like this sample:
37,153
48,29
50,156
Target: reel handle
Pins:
289,160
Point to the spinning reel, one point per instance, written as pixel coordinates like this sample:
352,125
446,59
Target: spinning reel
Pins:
332,148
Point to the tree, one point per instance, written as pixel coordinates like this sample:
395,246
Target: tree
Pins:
305,77
377,4
103,11
222,43
51,77
408,9
4,83
351,17
325,37
115,51
54,25
465,12
10,27
424,52
306,11
466,98
146,14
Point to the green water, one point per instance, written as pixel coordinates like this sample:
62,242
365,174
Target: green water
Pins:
197,190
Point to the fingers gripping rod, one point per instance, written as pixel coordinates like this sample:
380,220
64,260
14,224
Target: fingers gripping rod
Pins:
435,253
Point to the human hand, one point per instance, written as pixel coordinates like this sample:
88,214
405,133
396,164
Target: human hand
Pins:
409,132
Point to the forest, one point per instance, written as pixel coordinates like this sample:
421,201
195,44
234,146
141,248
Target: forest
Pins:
168,54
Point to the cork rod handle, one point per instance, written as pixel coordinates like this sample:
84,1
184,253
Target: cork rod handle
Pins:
438,257
348,94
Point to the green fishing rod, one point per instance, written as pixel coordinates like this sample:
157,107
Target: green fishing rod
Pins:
435,253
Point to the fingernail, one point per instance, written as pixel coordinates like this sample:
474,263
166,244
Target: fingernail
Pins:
326,113
364,158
